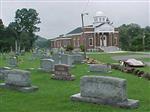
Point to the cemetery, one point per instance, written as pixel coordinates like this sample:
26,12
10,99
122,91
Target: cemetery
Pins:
96,90
53,58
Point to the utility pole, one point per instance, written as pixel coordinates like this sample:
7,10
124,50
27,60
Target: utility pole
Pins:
83,34
16,46
143,41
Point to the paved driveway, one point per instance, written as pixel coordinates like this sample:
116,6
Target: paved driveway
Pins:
125,57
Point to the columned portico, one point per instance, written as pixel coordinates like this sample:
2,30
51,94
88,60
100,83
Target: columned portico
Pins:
101,39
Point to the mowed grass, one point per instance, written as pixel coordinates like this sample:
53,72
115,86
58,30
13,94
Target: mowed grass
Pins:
54,95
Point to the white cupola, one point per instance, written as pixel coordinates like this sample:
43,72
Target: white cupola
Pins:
102,23
99,18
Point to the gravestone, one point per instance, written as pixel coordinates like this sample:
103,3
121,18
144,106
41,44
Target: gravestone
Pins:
78,58
12,61
46,55
47,65
56,58
2,72
63,59
18,80
99,68
104,90
22,52
67,59
61,72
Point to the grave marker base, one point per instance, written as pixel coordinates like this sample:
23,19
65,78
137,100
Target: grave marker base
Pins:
44,70
19,88
69,78
129,103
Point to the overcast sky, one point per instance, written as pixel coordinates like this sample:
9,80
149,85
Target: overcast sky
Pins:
62,16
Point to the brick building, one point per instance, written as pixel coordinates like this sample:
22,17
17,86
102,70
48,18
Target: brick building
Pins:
99,35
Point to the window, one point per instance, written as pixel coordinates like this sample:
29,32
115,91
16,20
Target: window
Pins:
90,41
74,41
78,42
115,41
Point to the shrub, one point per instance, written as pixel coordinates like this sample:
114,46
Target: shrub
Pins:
82,48
69,48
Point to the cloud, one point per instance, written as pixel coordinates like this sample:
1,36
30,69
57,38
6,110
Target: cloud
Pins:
59,17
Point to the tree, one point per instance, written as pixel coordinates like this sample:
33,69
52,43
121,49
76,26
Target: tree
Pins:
131,37
7,36
1,24
147,37
25,22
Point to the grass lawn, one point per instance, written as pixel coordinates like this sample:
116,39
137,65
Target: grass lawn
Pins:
54,95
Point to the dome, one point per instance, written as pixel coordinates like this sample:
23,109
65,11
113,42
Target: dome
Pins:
99,13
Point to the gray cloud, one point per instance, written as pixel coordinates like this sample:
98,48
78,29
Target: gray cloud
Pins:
59,17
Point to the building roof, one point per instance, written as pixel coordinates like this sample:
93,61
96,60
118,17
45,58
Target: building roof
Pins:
75,31
78,30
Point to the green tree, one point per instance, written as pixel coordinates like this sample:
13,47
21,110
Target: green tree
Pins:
147,37
131,37
7,36
25,22
1,24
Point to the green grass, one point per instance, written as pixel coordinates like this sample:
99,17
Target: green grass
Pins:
146,59
54,95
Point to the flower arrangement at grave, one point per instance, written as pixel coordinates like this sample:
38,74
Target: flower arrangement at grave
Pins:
131,70
92,61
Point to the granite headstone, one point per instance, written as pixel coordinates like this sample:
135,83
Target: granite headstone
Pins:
104,90
18,80
61,72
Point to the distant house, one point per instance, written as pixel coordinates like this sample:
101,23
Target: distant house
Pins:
97,36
